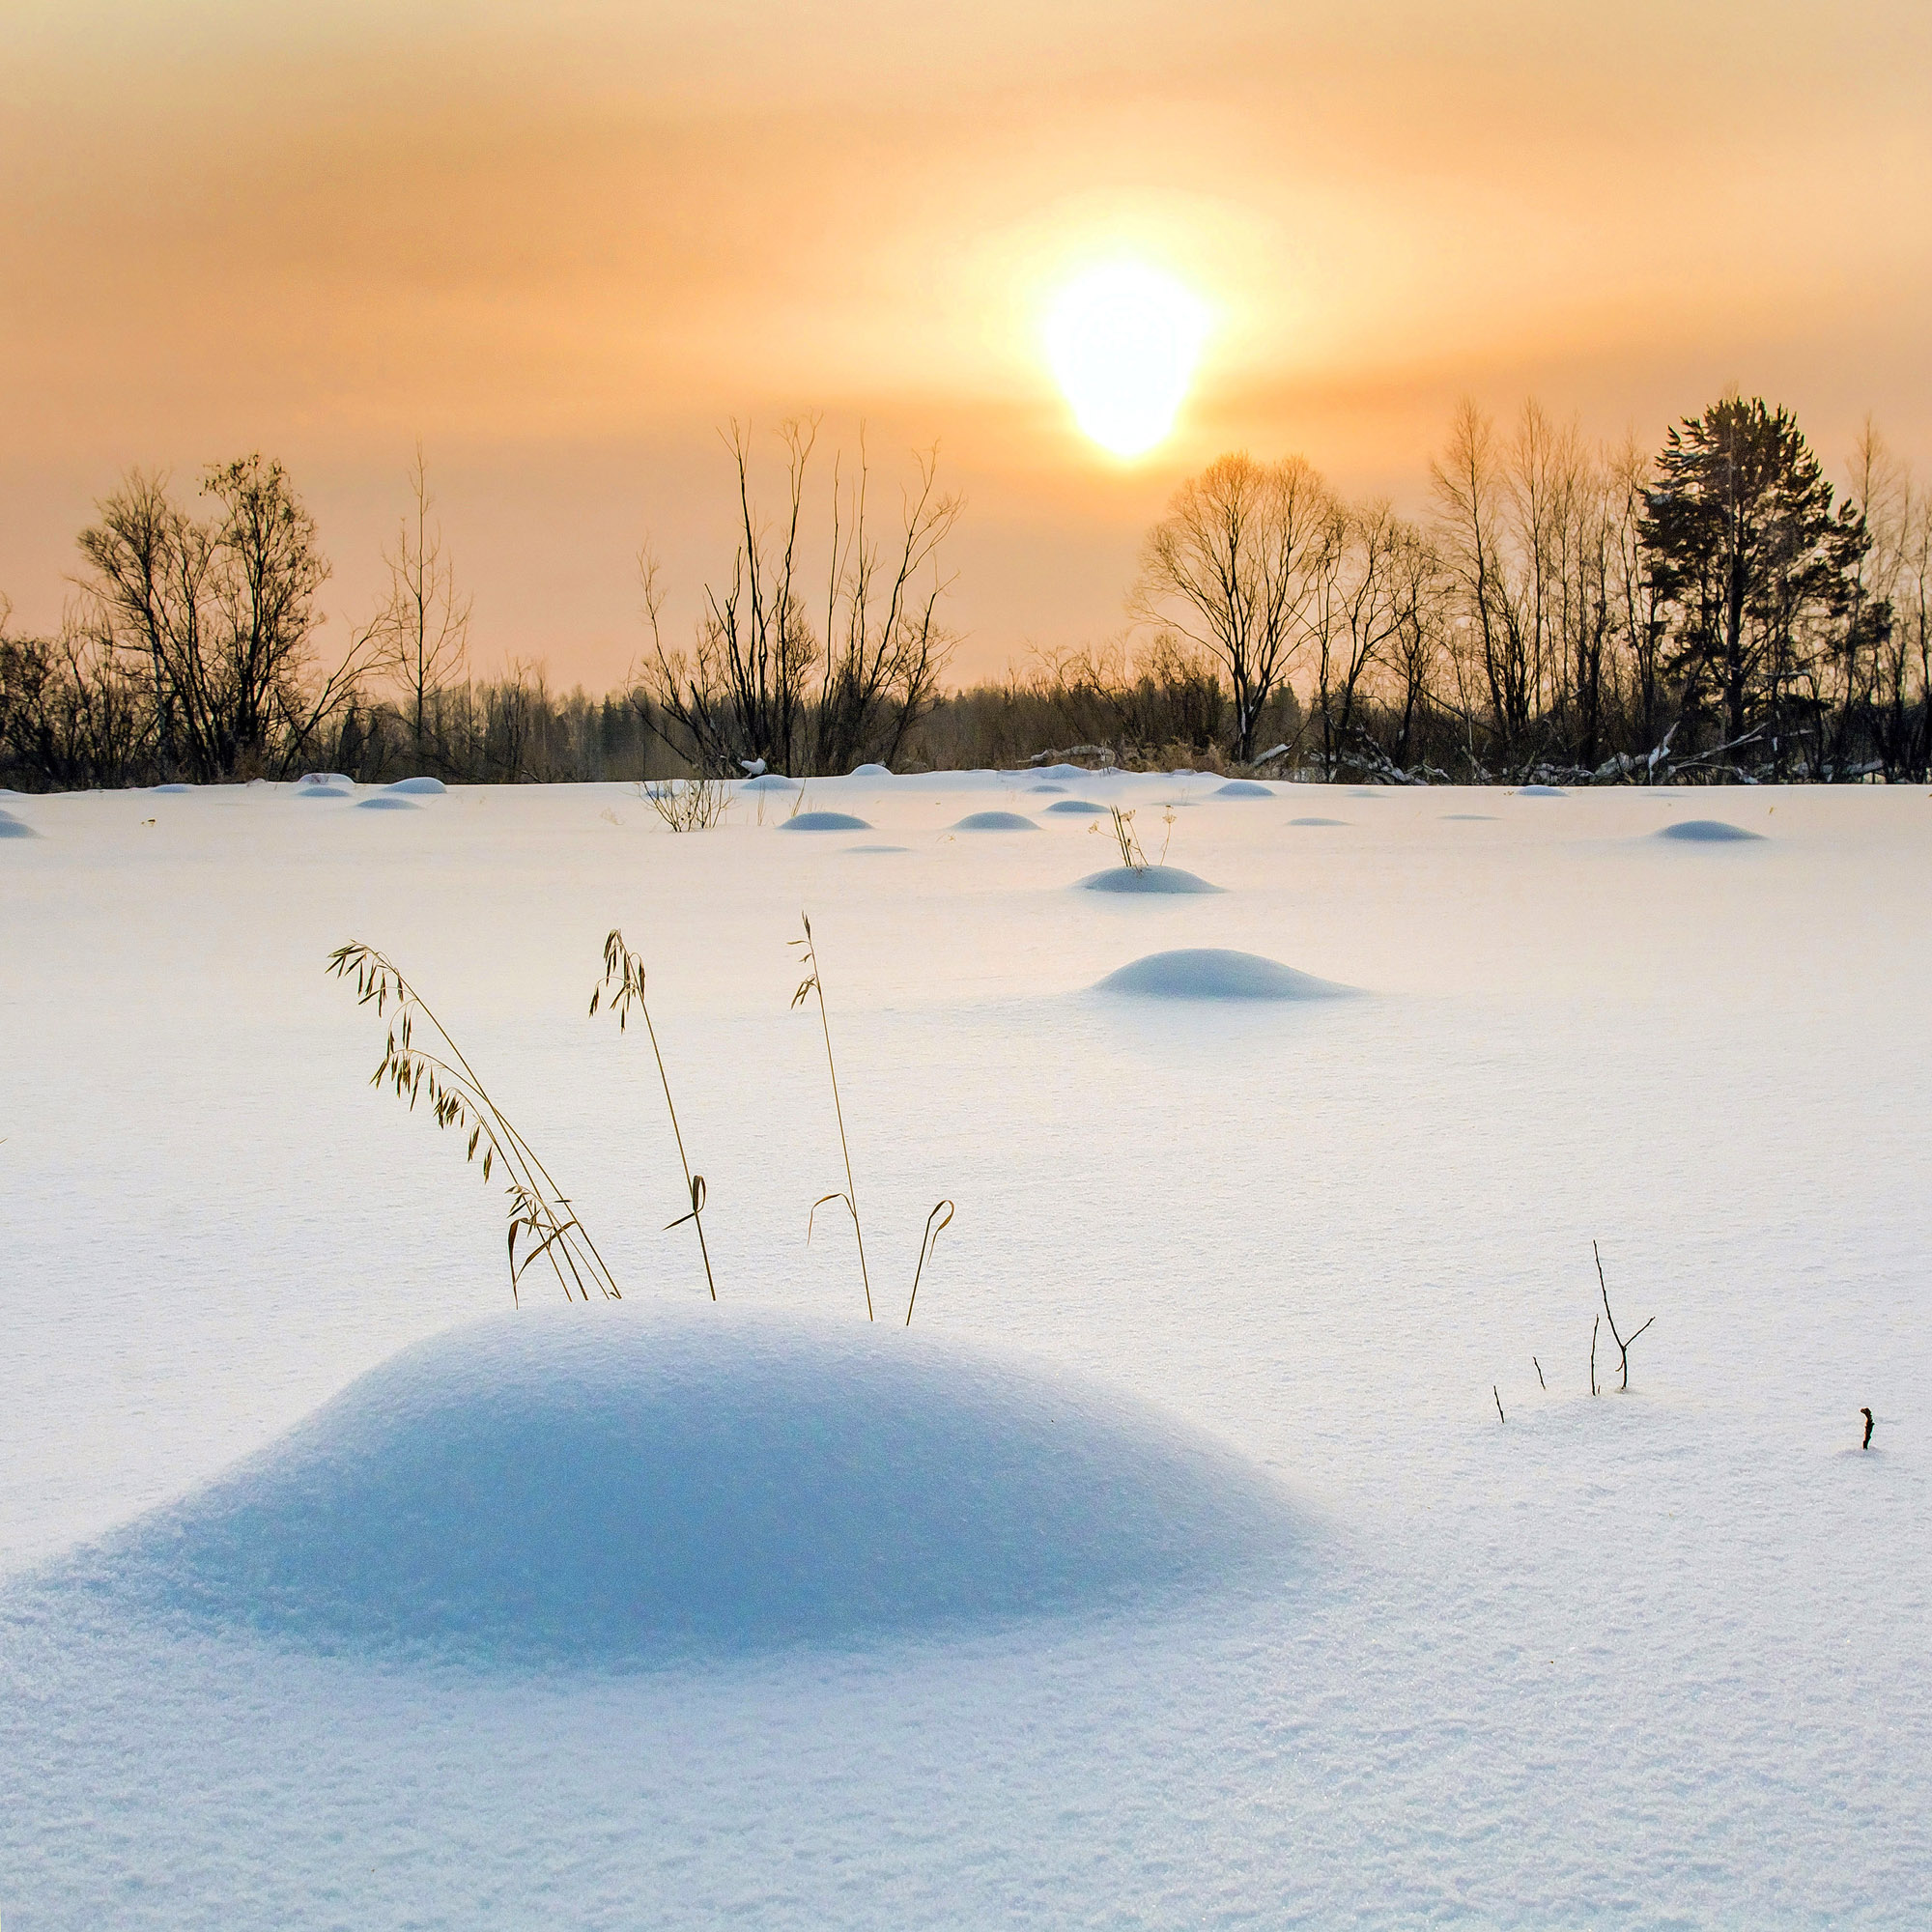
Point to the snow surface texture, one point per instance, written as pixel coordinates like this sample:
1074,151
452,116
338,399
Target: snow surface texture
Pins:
1641,1660
1159,880
609,1486
824,821
1216,973
996,821
1705,832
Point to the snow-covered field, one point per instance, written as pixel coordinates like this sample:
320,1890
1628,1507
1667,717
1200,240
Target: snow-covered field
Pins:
1249,1268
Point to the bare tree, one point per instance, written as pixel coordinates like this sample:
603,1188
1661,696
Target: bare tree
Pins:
420,636
1234,568
885,648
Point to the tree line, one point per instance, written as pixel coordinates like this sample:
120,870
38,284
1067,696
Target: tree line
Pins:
1562,610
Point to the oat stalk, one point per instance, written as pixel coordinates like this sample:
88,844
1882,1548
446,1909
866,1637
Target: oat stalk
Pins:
458,1099
812,984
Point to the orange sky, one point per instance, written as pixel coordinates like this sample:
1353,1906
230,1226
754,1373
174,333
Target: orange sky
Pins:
562,243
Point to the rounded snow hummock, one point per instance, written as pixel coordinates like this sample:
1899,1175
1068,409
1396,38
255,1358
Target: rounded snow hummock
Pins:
1241,788
1084,805
769,782
871,771
1146,879
606,1486
1706,831
419,787
14,827
1541,791
995,821
825,822
386,801
173,790
1211,972
325,778
1318,821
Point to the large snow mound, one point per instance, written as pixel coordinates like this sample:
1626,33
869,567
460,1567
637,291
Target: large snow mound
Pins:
605,1486
769,782
1213,973
15,828
1239,788
1084,805
1705,832
386,801
871,771
995,821
1147,879
421,787
825,822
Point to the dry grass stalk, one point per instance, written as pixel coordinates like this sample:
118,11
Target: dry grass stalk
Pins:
621,989
927,1241
1623,1342
687,805
807,986
1131,855
458,1099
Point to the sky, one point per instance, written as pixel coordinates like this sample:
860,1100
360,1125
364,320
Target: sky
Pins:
563,245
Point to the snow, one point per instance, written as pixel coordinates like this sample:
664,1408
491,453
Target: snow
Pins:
1633,1660
1313,820
766,780
824,821
1216,972
386,801
419,787
1705,832
1239,788
871,771
13,827
1083,806
1156,879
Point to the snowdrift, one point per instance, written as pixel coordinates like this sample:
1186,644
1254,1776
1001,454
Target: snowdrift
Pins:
387,801
1318,821
1212,973
1239,788
1147,879
1706,831
14,827
995,821
825,822
607,1486
421,787
1083,806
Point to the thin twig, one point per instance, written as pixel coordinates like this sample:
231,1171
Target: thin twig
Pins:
1499,1405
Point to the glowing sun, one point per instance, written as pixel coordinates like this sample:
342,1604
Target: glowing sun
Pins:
1124,340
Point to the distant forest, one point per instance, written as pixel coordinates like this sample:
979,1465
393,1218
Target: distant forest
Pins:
1565,613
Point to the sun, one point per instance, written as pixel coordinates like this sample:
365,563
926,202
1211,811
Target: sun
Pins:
1122,340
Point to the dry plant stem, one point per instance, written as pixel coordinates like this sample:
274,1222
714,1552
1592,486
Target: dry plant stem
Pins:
1865,1412
806,987
627,969
1539,1382
687,805
927,1241
1500,1416
459,1099
1596,1323
1622,1344
1131,855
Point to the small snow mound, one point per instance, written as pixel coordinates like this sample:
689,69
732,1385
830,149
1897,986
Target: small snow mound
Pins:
325,778
1146,879
315,791
1318,821
386,802
1707,832
173,790
995,821
825,822
609,1486
1212,973
1047,788
1241,788
1085,806
1062,771
875,848
15,828
871,771
1468,818
1541,791
769,782
419,787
